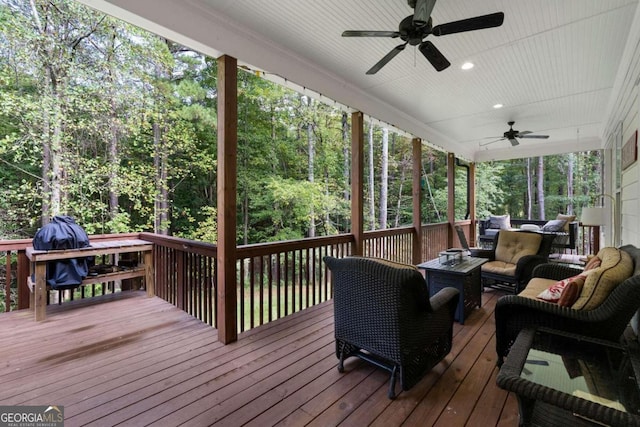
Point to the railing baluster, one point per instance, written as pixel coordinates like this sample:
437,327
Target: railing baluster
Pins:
261,293
7,282
252,283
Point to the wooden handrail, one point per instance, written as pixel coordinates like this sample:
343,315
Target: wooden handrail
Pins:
290,274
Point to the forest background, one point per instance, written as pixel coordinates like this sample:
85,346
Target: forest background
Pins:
117,127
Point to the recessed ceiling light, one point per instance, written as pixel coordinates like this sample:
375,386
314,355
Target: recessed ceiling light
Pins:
498,106
467,66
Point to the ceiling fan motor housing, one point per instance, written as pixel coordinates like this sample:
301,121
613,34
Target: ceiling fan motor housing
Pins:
413,34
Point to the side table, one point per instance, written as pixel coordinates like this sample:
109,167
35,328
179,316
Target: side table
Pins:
464,276
566,379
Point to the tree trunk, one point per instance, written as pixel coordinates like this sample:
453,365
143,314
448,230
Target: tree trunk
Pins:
403,168
52,130
540,178
372,202
160,163
311,148
384,178
46,167
570,183
245,217
529,189
346,173
114,130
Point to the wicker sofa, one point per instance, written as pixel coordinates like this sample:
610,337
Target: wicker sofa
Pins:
383,315
565,239
605,320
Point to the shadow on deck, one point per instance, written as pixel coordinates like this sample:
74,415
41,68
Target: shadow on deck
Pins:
138,361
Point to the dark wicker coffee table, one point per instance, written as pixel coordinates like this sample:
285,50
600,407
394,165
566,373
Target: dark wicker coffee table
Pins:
465,277
567,379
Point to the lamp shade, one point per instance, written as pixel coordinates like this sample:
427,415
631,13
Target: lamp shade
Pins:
593,216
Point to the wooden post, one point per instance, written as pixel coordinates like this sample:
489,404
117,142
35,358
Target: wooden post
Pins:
227,184
472,204
357,188
22,274
40,291
416,195
451,196
149,274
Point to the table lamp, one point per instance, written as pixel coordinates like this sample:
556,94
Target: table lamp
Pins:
593,216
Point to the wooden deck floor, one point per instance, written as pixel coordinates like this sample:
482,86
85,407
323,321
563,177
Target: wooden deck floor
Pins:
139,361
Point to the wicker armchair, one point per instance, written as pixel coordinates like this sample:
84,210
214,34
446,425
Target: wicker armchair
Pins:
608,321
513,257
383,315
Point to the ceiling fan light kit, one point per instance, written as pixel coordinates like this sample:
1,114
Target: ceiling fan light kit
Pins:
415,28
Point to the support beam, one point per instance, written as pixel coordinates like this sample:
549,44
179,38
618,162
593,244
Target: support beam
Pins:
451,197
357,187
227,205
416,195
472,204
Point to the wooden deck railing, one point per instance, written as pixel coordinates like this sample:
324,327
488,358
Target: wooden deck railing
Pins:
280,278
394,244
273,279
186,274
14,279
588,239
435,239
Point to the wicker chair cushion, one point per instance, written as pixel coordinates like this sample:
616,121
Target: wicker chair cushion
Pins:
513,245
535,286
616,266
499,267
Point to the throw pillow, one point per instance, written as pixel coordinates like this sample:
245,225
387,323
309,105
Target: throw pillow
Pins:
572,291
554,292
593,263
567,219
502,222
554,225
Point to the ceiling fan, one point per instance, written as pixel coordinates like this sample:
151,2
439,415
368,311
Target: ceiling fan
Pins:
414,28
512,134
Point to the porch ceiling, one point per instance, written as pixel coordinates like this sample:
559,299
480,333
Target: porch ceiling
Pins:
555,65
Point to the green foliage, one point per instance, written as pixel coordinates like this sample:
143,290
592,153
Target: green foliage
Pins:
206,229
117,127
493,179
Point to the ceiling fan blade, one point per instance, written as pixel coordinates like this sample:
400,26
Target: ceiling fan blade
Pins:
470,24
422,12
514,142
533,136
366,33
388,57
482,144
524,132
434,56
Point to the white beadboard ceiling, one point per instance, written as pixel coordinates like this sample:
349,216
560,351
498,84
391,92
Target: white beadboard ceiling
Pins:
553,64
